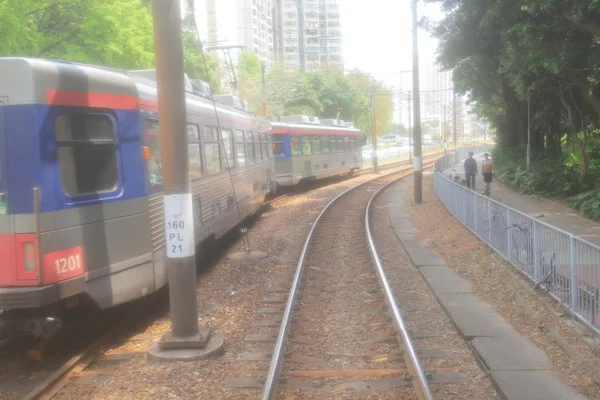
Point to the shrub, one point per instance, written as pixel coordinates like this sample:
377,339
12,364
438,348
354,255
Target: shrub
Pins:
587,203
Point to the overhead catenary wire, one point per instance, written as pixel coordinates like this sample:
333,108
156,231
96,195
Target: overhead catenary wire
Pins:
220,136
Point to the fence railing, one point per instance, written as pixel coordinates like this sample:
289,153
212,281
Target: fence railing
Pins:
564,265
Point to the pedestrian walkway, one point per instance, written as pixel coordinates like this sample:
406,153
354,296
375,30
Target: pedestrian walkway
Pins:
554,213
519,369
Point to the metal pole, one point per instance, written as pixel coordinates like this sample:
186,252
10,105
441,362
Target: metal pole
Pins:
264,91
454,119
417,161
177,199
528,128
445,132
374,127
409,127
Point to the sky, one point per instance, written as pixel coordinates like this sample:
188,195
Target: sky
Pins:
378,37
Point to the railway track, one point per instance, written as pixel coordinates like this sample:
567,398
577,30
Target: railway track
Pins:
78,363
334,325
341,326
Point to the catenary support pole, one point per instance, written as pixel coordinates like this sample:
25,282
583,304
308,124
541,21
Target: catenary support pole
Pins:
264,89
410,133
528,128
417,161
185,340
374,126
454,119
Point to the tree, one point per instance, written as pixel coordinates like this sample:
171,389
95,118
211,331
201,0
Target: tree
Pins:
542,52
114,33
328,94
250,80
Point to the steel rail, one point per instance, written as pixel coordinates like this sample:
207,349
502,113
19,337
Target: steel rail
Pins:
270,387
410,356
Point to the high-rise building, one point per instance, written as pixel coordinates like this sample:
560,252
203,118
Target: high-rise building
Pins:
308,34
255,28
436,87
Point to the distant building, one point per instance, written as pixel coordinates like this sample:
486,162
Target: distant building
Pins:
436,97
307,34
255,28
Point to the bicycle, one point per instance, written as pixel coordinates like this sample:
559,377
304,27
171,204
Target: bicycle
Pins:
550,279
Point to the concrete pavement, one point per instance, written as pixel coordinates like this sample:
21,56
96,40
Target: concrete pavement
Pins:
518,368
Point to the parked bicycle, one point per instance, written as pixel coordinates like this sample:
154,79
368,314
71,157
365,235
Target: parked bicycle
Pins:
457,178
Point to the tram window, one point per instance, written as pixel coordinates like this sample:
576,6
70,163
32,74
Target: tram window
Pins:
295,145
154,164
211,149
249,148
316,145
195,160
258,146
269,147
332,144
339,144
86,153
227,136
192,133
278,146
325,143
353,144
265,145
306,145
346,143
239,148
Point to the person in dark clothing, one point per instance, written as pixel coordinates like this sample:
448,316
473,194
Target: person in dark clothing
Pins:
470,171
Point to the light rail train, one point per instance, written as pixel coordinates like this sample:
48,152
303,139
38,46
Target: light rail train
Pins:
81,209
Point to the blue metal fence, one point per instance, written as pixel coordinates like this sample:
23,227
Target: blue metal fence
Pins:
568,266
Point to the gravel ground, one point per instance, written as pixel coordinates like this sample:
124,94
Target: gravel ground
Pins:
410,290
229,294
507,291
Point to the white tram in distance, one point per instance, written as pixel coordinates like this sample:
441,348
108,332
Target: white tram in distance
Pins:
306,148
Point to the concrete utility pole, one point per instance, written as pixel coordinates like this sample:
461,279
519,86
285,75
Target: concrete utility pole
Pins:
410,141
417,161
264,89
301,35
454,119
374,126
445,132
186,340
528,127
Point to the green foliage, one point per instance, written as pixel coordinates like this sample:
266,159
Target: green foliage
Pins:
588,203
114,33
547,176
325,94
193,63
250,80
512,54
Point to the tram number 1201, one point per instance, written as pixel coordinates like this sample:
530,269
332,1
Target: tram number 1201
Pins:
65,265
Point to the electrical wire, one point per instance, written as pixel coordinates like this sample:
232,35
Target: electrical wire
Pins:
243,229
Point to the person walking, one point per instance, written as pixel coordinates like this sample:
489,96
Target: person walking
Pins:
470,166
487,170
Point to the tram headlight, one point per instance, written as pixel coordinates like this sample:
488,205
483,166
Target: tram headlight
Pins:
28,251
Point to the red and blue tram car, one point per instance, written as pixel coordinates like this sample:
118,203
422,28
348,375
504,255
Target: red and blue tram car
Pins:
80,185
308,149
